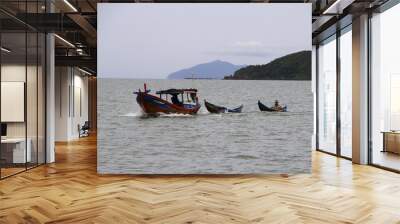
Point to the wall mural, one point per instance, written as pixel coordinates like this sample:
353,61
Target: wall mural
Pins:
204,88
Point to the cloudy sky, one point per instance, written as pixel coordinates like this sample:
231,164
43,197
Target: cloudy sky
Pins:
154,40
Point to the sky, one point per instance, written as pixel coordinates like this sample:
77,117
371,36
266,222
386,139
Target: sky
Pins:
149,40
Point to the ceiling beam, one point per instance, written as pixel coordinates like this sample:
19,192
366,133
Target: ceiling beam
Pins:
337,6
81,61
86,27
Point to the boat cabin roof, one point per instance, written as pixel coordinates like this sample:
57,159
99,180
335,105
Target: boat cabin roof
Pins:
176,91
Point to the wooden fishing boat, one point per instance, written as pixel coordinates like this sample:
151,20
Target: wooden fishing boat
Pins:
236,110
271,109
168,101
218,109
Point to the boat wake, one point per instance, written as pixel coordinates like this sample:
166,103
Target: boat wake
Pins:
134,114
140,114
176,115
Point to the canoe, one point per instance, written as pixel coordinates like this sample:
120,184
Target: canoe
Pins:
271,109
153,105
236,110
212,108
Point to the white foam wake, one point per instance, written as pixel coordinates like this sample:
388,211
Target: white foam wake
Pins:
141,114
133,114
176,115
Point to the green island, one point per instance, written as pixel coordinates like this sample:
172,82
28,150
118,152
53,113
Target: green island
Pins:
295,66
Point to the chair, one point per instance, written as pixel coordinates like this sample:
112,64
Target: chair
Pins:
84,130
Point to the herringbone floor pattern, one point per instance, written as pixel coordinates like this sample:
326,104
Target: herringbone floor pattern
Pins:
70,191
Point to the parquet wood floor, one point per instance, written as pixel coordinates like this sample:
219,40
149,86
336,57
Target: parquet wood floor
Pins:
70,191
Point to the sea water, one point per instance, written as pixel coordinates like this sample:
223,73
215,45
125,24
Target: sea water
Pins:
251,142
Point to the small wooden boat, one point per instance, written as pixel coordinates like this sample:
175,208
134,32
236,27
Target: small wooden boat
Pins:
152,104
218,109
236,110
271,109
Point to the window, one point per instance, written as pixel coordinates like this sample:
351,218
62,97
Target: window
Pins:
346,92
327,95
385,89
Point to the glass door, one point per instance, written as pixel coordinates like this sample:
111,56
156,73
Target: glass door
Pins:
22,100
14,153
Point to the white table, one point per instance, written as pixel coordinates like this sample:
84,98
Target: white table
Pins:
19,153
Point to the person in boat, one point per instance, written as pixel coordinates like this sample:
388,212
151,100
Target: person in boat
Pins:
193,97
175,100
277,106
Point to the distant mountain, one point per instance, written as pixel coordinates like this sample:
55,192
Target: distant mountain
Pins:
212,70
296,66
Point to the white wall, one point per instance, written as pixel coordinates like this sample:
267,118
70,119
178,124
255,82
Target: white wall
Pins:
13,101
62,81
70,84
33,126
80,109
12,73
